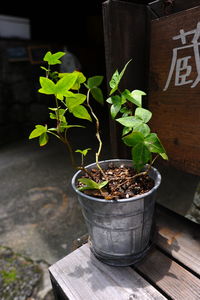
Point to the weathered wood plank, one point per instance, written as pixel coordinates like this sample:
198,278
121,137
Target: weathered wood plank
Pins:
125,38
81,276
180,238
174,280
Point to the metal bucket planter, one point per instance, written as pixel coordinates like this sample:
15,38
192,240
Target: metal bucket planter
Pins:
120,230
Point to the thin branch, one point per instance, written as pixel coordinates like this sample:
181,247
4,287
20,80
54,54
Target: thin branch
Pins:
82,168
97,135
66,142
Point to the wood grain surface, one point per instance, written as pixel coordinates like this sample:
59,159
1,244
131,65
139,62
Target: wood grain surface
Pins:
180,238
174,98
173,279
81,276
171,270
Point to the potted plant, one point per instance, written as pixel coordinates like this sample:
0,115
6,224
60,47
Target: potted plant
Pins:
117,196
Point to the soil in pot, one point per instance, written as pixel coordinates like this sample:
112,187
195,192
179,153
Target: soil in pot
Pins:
123,183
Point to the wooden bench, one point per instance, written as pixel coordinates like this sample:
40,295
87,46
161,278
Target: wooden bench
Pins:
171,270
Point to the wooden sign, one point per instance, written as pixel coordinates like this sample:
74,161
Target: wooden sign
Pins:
174,96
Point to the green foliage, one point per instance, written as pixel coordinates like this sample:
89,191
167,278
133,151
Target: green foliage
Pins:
9,276
41,132
83,152
93,84
66,89
79,80
90,184
71,95
130,121
94,81
53,59
97,95
116,103
116,78
59,88
135,133
135,96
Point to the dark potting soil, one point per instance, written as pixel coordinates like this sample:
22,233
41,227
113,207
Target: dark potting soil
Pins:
122,183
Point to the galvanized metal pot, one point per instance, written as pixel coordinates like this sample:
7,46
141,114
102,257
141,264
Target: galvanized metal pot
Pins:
120,230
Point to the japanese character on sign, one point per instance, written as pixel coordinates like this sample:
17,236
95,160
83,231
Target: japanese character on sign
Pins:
180,66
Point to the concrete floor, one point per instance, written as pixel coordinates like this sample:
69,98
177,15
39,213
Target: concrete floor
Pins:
39,214
35,199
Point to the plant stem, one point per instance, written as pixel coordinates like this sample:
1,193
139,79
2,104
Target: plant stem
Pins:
82,168
47,73
97,135
57,114
66,142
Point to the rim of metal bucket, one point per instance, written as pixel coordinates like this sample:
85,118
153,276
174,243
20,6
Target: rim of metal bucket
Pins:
135,198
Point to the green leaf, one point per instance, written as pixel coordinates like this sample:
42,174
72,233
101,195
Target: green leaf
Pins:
164,156
125,111
81,112
140,156
63,126
102,184
126,130
39,130
54,76
116,105
114,82
128,95
47,86
154,145
116,78
43,139
52,116
54,108
79,79
59,115
129,121
109,100
143,128
133,139
83,152
124,69
53,59
94,81
45,69
137,96
61,112
91,184
143,114
73,100
97,94
65,83
51,129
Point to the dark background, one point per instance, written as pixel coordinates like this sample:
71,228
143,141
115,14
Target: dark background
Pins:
77,24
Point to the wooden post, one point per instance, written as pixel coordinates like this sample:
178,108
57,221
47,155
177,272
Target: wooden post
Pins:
125,38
